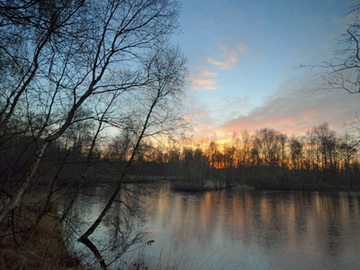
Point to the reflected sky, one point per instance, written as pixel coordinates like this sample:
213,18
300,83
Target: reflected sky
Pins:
242,229
256,230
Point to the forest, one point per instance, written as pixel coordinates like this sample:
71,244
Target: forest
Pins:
267,159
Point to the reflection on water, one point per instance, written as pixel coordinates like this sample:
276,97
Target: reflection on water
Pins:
252,230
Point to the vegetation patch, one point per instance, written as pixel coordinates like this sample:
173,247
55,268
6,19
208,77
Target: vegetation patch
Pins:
27,245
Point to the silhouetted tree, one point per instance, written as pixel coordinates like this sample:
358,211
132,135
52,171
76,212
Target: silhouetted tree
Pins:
173,164
270,143
344,68
68,53
61,57
296,153
325,141
167,73
347,149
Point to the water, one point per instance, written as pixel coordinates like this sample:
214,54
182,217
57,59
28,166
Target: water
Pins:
248,229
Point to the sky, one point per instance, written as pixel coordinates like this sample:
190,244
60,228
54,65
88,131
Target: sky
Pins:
245,58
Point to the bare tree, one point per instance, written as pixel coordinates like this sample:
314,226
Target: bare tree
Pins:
296,153
347,148
167,73
246,144
325,141
343,70
270,142
67,53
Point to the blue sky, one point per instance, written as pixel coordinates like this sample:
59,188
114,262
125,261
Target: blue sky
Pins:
243,57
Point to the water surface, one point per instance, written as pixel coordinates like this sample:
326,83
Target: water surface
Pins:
234,229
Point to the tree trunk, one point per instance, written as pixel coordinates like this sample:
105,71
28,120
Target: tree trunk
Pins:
24,182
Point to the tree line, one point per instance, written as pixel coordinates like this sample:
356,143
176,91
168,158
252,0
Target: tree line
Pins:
319,149
320,159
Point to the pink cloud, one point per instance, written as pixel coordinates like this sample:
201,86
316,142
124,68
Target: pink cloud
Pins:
229,62
208,73
294,111
209,87
230,56
203,82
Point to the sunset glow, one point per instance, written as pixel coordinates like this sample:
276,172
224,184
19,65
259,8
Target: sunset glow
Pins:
243,60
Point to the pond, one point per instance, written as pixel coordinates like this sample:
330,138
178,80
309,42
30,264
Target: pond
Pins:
243,229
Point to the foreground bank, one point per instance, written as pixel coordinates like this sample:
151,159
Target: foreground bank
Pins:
34,240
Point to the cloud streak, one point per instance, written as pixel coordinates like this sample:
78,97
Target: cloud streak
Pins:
295,110
203,81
